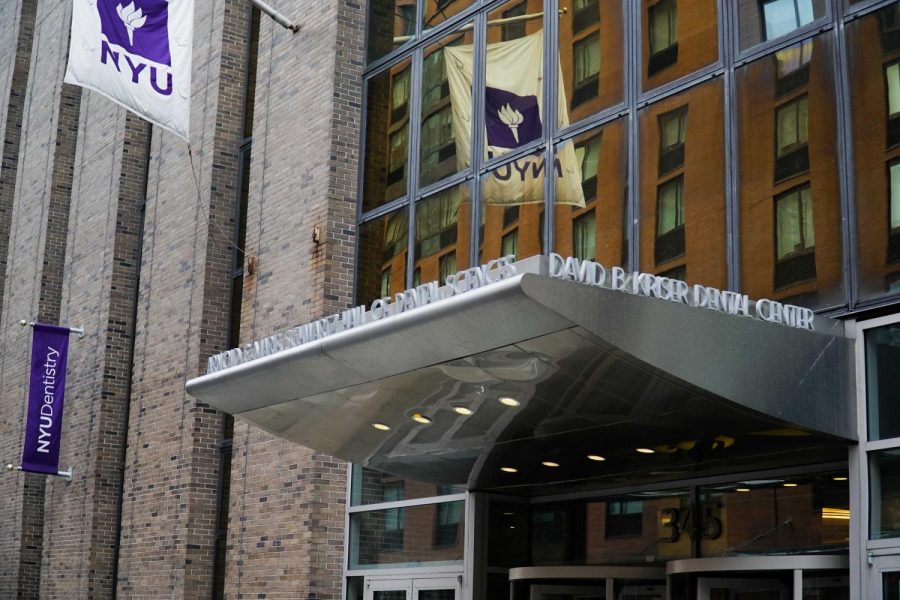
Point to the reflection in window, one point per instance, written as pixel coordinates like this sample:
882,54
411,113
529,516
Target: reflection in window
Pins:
587,12
669,220
586,59
516,28
449,516
883,381
436,222
588,155
391,23
791,137
890,28
884,494
583,231
671,139
892,82
438,11
382,256
393,517
509,244
663,19
795,241
387,125
784,16
894,210
792,67
447,266
624,518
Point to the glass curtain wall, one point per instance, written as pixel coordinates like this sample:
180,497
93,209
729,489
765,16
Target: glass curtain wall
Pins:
662,141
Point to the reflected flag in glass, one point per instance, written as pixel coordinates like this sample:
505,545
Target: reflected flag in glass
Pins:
514,116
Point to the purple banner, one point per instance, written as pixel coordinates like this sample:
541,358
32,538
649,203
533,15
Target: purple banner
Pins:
46,391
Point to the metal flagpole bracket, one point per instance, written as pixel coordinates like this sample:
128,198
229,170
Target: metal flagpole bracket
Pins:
279,18
78,330
67,474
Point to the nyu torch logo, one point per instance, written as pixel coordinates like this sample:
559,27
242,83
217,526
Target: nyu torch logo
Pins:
511,120
137,41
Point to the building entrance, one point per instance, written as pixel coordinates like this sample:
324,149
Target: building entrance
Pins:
420,588
741,589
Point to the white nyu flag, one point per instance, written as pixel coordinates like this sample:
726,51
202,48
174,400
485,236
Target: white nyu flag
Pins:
514,116
136,53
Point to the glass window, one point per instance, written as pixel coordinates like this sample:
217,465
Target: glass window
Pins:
884,494
442,233
792,67
445,145
663,34
624,518
589,83
875,95
784,16
795,242
518,183
777,514
771,19
586,57
791,137
391,24
369,486
883,381
890,583
513,27
438,11
669,220
679,37
509,244
682,185
671,139
387,126
892,83
406,537
583,236
790,221
600,158
382,256
586,13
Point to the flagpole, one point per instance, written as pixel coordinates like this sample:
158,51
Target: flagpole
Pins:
78,330
277,16
502,21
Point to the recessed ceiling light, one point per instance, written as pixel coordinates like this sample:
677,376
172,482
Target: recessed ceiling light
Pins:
509,470
381,426
550,463
790,485
646,450
840,479
596,457
420,418
462,410
507,401
508,514
743,489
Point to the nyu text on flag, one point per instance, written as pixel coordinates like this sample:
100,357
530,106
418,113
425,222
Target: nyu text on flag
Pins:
46,394
136,53
514,116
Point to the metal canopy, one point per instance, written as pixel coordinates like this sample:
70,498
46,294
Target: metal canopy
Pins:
594,371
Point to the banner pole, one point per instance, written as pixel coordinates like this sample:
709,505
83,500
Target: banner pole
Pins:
67,474
78,330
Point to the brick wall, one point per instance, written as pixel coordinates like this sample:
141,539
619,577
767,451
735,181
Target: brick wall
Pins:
99,292
286,512
38,228
168,513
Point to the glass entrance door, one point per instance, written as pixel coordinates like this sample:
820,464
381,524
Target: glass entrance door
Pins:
419,588
569,592
741,589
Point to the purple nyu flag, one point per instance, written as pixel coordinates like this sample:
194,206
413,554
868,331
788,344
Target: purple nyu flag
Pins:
46,389
140,27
